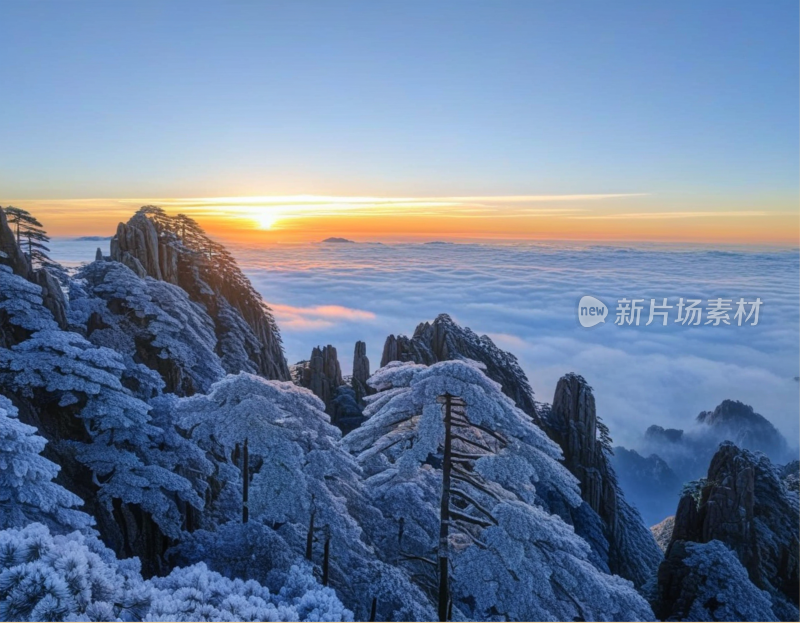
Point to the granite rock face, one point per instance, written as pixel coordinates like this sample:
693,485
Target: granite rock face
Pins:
140,239
322,374
52,295
629,549
361,373
10,253
151,245
12,256
653,475
443,340
744,504
790,475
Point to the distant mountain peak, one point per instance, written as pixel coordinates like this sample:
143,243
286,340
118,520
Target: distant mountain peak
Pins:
740,423
339,240
732,411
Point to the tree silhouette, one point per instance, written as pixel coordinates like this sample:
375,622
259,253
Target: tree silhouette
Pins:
31,236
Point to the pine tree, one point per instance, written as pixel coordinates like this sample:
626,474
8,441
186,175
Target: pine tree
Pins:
481,544
128,455
302,485
30,234
27,491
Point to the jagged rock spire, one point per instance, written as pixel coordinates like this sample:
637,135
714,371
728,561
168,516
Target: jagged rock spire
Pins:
572,422
361,372
444,339
176,250
744,504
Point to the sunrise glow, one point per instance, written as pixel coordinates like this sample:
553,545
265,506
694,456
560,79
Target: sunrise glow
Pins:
308,218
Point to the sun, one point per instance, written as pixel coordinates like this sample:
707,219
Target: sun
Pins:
266,221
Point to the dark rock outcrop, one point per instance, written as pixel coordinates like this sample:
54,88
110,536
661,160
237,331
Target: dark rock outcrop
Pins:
658,434
177,251
443,340
631,550
688,453
10,253
52,295
140,238
361,373
744,504
322,374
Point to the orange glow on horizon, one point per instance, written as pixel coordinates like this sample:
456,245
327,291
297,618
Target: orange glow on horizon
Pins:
613,217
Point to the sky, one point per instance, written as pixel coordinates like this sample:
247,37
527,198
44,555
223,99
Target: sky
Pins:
292,121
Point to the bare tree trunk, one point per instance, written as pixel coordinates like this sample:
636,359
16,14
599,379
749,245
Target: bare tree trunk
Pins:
444,515
373,611
310,537
326,558
245,483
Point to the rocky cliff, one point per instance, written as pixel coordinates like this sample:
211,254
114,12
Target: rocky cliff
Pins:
744,504
322,374
443,339
176,250
629,549
12,256
360,373
668,457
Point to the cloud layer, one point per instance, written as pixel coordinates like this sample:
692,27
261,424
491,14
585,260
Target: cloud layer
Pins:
525,297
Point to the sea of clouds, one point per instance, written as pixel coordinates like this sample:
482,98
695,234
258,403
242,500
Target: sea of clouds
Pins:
525,297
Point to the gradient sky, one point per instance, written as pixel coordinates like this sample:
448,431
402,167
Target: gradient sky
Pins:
674,120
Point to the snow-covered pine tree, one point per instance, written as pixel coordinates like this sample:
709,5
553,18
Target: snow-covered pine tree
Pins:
66,578
27,491
197,594
126,453
150,322
520,563
21,308
298,471
74,577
